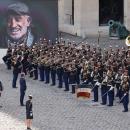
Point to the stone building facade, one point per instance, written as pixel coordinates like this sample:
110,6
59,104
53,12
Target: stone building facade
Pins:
90,17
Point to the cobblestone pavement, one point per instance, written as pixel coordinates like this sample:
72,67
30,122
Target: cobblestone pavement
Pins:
55,109
104,41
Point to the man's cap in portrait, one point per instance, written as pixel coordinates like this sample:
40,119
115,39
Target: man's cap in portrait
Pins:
18,8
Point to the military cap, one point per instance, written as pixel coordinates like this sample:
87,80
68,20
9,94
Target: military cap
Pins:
30,96
18,8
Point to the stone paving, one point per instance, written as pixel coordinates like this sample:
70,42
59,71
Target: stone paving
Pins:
55,109
104,41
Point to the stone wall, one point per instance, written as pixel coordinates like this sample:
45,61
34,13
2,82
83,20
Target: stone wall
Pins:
86,16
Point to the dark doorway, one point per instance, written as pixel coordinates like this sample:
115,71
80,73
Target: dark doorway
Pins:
110,9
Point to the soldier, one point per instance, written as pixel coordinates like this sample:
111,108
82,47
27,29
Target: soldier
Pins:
59,72
95,82
128,61
110,84
66,77
72,77
25,63
29,112
7,58
35,69
41,69
17,66
30,65
104,89
47,71
22,88
1,89
125,98
118,83
53,73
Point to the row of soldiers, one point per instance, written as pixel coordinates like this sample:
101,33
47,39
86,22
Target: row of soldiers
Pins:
74,65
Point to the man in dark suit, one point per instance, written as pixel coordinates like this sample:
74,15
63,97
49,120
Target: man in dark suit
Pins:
18,28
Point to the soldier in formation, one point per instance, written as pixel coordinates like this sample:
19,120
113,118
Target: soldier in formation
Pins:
72,65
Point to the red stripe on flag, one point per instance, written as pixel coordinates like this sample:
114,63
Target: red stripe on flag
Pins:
83,94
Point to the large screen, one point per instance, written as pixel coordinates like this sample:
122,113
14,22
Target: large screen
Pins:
44,14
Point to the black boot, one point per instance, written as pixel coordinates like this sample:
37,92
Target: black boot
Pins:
73,89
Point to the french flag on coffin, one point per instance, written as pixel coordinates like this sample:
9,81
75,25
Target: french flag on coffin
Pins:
83,91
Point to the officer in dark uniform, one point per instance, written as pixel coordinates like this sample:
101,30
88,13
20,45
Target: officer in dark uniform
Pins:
29,112
95,82
25,63
72,78
47,72
22,88
118,83
30,65
78,73
1,89
7,58
66,78
35,67
53,73
59,72
41,71
17,66
110,87
125,98
104,89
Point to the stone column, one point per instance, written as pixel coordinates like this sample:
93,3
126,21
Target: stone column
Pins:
60,14
90,17
77,17
127,14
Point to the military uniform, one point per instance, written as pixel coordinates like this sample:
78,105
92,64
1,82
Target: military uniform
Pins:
104,90
72,79
22,90
66,79
59,72
96,84
125,98
41,72
118,85
53,74
47,73
7,59
16,70
29,112
35,67
110,91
